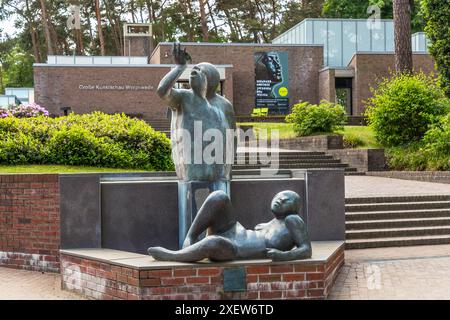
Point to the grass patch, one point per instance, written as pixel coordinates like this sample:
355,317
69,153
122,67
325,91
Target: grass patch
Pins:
59,169
286,130
361,137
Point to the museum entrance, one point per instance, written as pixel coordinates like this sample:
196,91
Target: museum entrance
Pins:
344,88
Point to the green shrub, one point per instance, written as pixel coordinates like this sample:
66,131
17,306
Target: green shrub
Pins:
432,153
96,139
310,119
20,148
436,15
404,107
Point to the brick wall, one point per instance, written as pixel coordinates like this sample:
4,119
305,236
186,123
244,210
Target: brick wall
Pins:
327,90
371,68
59,86
304,65
290,280
29,222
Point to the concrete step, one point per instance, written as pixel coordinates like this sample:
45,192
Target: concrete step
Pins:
283,158
397,223
397,232
287,162
398,199
397,242
288,153
397,214
292,157
294,166
355,173
397,206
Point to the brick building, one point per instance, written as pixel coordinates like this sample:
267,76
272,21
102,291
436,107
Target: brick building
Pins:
316,69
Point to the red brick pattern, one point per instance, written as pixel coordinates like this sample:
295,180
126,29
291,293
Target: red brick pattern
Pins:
29,222
294,280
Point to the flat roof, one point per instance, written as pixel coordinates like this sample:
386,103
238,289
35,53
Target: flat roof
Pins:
241,44
119,65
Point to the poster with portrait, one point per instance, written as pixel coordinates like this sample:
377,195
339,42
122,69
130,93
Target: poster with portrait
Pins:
272,81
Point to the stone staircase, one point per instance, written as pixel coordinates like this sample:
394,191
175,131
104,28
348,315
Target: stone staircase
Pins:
287,160
292,160
162,125
397,221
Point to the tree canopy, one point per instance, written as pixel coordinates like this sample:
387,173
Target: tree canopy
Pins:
41,26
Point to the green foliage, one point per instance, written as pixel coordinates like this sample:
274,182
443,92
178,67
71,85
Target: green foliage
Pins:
432,153
309,119
353,142
95,139
358,10
437,17
404,107
17,69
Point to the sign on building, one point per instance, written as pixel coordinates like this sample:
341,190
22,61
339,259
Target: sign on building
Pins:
272,81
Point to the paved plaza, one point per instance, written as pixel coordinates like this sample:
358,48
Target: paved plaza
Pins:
421,273
30,285
366,186
387,273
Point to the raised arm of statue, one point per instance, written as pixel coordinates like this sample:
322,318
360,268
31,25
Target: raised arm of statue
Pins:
303,250
165,88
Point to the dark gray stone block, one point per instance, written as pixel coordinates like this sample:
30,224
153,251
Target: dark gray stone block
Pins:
251,198
80,211
325,204
191,196
138,215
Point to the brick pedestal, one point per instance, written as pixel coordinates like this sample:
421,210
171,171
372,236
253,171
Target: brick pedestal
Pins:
111,274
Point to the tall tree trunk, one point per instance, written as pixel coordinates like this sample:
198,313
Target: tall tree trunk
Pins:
402,36
91,33
211,15
203,21
35,43
33,33
48,38
99,27
79,41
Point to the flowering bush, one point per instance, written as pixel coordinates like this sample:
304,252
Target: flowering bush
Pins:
29,111
4,113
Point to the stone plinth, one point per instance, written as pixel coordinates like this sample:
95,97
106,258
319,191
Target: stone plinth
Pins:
111,274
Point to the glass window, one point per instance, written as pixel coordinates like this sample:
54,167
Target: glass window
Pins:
378,36
348,41
83,60
363,39
309,25
102,60
389,35
335,43
320,37
301,31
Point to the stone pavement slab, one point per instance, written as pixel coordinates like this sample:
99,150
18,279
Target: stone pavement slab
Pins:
366,186
32,285
419,273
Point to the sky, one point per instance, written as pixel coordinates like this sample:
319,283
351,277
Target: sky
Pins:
8,26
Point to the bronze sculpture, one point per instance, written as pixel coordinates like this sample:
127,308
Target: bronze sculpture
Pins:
202,107
284,238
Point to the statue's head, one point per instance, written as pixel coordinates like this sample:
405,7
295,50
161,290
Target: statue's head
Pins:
285,203
198,81
212,77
